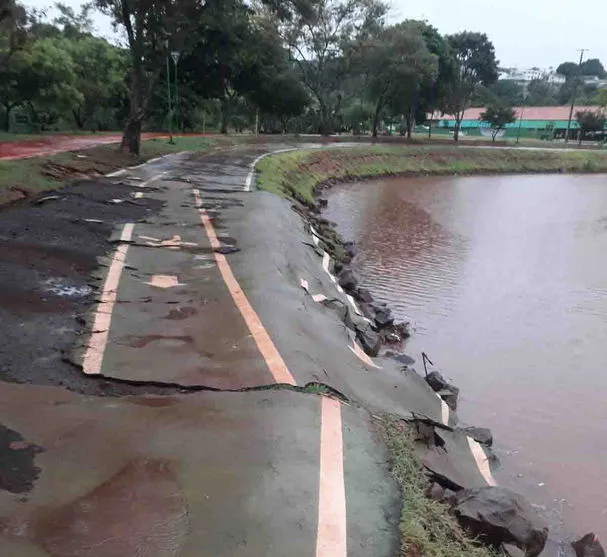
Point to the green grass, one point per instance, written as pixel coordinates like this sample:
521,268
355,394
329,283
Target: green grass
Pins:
9,136
427,528
297,174
26,177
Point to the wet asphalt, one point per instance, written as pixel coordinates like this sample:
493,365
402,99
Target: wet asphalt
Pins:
184,442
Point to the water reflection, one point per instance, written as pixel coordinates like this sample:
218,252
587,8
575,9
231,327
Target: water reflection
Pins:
506,281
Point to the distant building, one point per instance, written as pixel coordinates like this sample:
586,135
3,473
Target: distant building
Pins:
525,75
550,121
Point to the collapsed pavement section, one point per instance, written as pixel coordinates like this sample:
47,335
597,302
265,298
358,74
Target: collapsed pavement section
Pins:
201,290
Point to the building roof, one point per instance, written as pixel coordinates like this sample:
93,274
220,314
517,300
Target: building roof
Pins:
549,113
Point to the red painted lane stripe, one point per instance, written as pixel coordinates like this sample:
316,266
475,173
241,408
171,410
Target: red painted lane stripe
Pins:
268,350
331,540
93,357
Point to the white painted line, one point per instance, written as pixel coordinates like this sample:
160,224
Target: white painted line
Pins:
355,306
95,350
117,173
318,298
362,355
482,462
445,410
325,265
331,537
152,179
249,179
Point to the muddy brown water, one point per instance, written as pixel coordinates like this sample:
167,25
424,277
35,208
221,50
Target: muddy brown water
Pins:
505,280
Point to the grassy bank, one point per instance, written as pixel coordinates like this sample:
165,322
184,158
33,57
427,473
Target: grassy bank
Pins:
26,177
298,173
427,528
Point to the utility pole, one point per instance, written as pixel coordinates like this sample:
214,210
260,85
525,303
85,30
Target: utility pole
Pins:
520,121
581,51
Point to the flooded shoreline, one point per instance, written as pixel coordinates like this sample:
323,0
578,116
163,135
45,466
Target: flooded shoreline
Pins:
504,281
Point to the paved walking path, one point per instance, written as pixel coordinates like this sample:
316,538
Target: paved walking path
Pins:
204,299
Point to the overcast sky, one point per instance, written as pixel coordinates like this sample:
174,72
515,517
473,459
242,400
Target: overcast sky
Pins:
525,33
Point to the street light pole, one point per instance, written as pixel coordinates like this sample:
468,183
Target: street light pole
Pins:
175,56
581,51
169,102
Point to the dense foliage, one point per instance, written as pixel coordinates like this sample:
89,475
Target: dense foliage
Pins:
315,66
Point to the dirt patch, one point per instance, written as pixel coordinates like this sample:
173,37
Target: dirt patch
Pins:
23,301
64,261
18,472
48,251
141,507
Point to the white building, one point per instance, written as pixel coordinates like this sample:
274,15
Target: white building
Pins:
525,75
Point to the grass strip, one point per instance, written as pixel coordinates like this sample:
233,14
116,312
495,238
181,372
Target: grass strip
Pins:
427,527
297,174
27,177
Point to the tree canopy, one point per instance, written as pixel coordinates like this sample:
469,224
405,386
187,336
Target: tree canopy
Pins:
264,65
498,117
476,65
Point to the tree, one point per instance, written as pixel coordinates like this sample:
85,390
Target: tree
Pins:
498,117
397,62
317,32
590,121
476,64
568,69
240,54
45,81
12,36
282,96
13,20
505,92
601,98
153,28
593,66
433,94
74,25
540,93
99,69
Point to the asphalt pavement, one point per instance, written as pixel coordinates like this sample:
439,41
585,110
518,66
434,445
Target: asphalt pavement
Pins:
161,364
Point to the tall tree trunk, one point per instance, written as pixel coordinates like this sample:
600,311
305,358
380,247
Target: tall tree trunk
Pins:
224,115
456,130
78,119
131,137
7,118
410,113
376,114
430,125
324,127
